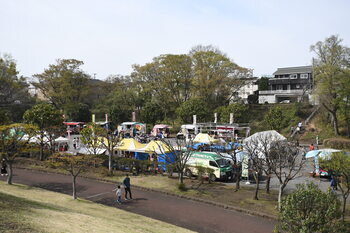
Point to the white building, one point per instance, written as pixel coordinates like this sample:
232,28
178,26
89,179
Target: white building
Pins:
247,89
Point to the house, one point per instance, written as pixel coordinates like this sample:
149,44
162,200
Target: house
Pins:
291,84
250,86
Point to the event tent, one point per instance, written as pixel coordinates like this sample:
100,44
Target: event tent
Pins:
61,140
204,138
263,140
129,144
158,147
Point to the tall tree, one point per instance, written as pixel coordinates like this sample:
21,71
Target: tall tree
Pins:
332,59
14,96
64,83
216,77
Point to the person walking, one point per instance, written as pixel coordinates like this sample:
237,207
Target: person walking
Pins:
126,183
334,183
4,168
118,193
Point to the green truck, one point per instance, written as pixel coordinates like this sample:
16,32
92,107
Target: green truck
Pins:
221,167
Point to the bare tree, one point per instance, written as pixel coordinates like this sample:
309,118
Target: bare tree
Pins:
286,161
74,164
259,146
182,152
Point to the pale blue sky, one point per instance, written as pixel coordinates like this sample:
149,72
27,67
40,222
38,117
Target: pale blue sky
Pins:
111,35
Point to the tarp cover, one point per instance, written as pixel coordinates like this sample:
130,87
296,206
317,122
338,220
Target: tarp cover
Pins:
158,147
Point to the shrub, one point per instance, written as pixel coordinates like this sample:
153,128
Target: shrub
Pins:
181,187
337,143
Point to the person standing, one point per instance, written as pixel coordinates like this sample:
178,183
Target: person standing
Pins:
118,194
312,147
126,183
4,168
334,183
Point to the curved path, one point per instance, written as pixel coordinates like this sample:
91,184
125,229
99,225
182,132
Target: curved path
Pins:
181,212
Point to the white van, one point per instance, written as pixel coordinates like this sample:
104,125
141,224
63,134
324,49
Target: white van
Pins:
221,167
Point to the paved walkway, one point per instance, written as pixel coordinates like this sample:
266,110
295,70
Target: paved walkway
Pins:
181,212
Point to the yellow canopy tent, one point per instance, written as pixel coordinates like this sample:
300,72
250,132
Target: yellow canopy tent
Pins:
129,144
158,147
204,138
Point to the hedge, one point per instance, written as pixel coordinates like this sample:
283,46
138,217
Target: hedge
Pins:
337,143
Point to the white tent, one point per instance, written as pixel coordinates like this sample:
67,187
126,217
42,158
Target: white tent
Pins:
262,141
61,140
90,151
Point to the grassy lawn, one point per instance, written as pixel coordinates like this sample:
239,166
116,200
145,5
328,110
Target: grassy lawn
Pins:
26,209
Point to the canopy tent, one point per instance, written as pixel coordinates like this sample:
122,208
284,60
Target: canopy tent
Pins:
204,138
262,140
322,153
35,139
160,127
90,151
129,144
61,140
158,147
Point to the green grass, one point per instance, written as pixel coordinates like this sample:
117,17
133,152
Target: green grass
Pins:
26,209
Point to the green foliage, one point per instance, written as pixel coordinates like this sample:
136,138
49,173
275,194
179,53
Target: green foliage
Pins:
339,164
43,115
151,113
331,73
193,107
239,112
14,96
275,118
263,84
78,112
65,85
309,210
337,143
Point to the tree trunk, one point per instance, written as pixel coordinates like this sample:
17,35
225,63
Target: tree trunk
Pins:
335,123
344,208
10,173
41,154
280,193
268,181
256,187
181,178
238,180
74,187
110,162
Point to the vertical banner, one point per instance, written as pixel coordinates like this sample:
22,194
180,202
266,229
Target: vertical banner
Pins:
133,117
93,118
215,118
106,115
194,119
231,118
245,166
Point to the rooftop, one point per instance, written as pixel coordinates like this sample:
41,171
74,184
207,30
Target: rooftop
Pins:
293,70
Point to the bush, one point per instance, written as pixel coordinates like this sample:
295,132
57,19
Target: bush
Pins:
181,187
337,143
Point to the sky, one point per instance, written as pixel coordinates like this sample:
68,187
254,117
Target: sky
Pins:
109,36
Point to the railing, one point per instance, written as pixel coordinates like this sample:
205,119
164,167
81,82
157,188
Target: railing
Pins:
271,92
